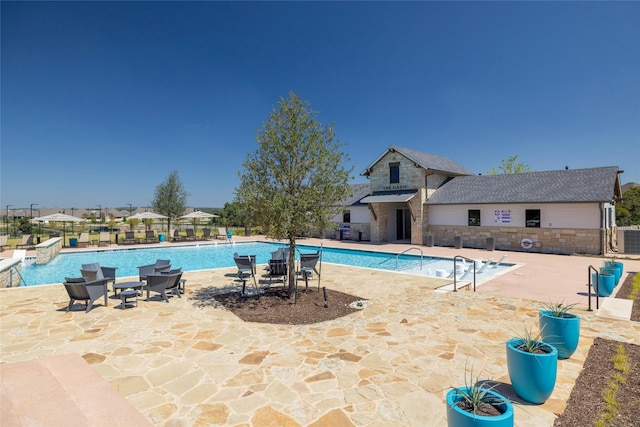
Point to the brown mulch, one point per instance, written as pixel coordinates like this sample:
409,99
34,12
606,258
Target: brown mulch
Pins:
586,402
274,306
625,290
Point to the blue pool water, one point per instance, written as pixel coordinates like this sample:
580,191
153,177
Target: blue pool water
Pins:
208,256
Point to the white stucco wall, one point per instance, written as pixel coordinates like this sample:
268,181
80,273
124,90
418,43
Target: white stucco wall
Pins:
559,215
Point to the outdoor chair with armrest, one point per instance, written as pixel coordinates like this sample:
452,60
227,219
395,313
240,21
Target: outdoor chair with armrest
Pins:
308,264
246,269
129,238
159,266
105,238
162,283
222,234
95,271
277,269
179,286
79,289
150,237
206,234
83,240
4,243
191,234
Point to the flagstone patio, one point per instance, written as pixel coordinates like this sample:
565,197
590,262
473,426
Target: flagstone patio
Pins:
190,362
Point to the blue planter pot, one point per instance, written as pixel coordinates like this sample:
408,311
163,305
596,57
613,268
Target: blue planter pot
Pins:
561,332
610,269
533,376
616,268
457,417
606,285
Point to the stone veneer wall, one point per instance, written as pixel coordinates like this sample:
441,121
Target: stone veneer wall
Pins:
48,249
563,241
8,276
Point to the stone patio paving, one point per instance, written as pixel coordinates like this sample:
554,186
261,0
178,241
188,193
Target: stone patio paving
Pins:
191,363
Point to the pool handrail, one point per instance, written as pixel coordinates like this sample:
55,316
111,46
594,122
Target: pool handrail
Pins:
406,250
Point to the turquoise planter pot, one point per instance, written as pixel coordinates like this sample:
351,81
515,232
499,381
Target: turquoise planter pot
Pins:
607,283
457,417
533,376
611,269
617,268
561,332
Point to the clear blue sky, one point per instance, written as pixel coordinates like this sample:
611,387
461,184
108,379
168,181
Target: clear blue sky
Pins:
101,101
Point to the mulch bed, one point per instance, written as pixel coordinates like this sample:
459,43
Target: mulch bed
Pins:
274,306
586,402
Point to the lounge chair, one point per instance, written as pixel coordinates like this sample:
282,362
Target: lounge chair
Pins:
206,234
278,269
79,289
246,269
157,268
191,234
129,238
163,283
308,263
83,240
150,237
282,253
222,234
3,242
105,238
95,272
175,235
27,242
497,264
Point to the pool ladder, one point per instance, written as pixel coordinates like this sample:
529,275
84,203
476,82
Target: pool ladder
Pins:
405,251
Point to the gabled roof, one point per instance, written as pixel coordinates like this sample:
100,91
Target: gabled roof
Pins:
425,160
358,191
562,186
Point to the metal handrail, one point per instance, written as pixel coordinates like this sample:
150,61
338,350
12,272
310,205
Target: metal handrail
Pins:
406,250
597,288
455,278
11,277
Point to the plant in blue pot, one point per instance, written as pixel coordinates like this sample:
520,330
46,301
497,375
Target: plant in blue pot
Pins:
616,268
533,367
560,328
603,283
477,404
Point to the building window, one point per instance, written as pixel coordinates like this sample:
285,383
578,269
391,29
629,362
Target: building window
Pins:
532,218
346,216
474,217
394,173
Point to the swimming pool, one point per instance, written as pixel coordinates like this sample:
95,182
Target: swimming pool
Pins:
208,256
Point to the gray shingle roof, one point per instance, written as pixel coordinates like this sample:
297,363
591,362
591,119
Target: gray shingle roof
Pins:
358,191
425,160
562,186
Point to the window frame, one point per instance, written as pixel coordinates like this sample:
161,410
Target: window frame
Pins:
471,218
531,216
394,172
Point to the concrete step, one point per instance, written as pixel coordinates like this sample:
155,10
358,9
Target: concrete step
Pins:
615,308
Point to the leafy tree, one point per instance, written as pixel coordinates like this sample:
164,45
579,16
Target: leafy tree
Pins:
234,214
24,225
170,198
628,212
510,166
291,184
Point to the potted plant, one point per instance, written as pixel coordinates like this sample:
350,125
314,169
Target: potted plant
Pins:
605,281
430,239
478,405
615,268
533,367
560,328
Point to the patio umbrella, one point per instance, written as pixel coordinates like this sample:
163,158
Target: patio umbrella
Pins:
60,217
148,215
196,215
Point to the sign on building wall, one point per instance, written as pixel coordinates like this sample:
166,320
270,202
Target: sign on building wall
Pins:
502,216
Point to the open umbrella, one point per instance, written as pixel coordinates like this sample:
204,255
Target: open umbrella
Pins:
148,215
196,215
60,217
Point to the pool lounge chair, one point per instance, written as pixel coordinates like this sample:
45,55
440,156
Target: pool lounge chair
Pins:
79,289
191,234
246,269
206,234
222,234
277,269
175,235
105,238
83,240
129,238
27,242
159,266
3,242
150,237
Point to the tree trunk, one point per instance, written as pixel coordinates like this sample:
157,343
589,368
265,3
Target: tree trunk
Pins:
291,269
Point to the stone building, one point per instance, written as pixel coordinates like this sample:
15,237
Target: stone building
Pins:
414,195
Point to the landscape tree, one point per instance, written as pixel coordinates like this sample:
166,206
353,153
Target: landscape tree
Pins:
510,166
291,184
170,198
628,212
